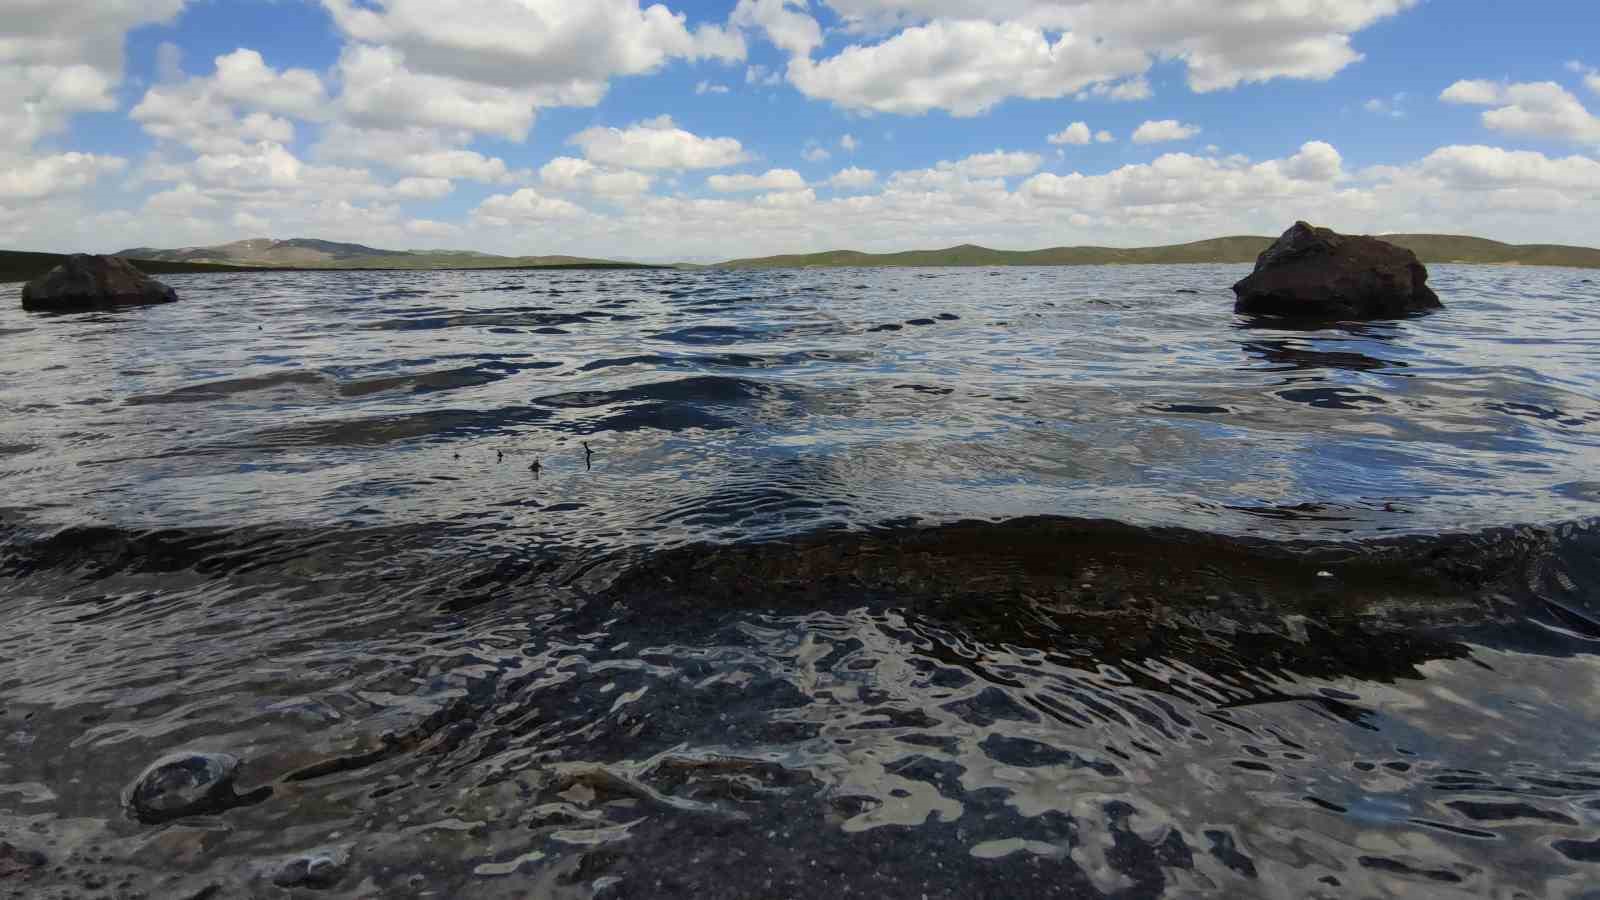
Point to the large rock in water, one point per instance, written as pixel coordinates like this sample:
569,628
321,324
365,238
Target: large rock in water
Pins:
1318,273
187,784
93,282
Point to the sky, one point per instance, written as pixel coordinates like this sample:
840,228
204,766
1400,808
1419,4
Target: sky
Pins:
699,130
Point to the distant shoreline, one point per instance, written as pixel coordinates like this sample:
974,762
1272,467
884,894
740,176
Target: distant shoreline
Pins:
17,266
1432,249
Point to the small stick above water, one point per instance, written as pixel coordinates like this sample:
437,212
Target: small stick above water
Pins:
588,456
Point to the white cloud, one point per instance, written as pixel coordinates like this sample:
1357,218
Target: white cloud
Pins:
1164,130
426,152
658,144
788,199
244,78
707,87
1103,137
999,164
416,188
1540,109
524,206
63,57
853,179
1393,107
848,143
964,67
1480,168
772,180
381,91
35,178
566,173
204,113
432,230
814,152
558,50
1121,91
761,76
784,22
964,56
1076,133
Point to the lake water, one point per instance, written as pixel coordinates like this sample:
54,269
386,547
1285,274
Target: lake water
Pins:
892,583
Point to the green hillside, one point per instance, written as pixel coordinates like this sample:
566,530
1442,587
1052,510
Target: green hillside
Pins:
309,253
17,265
1431,248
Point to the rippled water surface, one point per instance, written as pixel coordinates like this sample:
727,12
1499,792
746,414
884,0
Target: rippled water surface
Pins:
891,583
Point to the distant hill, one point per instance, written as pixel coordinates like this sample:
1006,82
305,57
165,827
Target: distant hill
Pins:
1431,248
308,253
17,265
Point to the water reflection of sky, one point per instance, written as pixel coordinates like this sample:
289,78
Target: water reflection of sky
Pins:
738,403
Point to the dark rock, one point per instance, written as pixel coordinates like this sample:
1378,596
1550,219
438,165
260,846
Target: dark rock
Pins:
93,282
15,860
1320,274
187,784
316,871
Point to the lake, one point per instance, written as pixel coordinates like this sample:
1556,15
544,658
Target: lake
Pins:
1032,582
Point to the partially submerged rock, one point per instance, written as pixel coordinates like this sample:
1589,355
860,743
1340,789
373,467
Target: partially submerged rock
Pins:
93,282
187,784
1318,273
316,871
16,860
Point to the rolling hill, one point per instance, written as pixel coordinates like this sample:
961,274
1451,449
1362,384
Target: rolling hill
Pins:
1431,248
308,253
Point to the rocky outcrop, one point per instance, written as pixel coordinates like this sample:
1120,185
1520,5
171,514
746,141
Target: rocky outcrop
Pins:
93,282
1319,274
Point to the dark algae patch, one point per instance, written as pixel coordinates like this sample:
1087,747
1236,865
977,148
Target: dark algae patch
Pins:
1007,582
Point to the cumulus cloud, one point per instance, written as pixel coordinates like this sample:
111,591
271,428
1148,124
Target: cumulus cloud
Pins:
1164,130
658,144
522,207
64,57
1120,92
1076,133
545,48
1184,182
244,78
212,114
853,179
848,143
999,164
48,175
566,173
1540,109
707,87
772,180
964,56
423,188
963,67
427,152
381,91
814,152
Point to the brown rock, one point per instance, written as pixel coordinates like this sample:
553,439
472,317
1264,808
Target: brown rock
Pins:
93,282
1318,273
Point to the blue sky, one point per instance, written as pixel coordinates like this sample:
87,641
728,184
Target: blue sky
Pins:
715,128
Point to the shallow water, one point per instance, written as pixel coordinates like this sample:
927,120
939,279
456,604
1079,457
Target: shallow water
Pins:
900,583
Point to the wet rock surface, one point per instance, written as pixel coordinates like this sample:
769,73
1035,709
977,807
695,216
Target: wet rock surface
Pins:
1317,273
317,871
84,282
187,784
